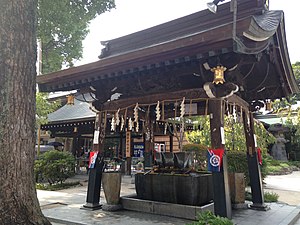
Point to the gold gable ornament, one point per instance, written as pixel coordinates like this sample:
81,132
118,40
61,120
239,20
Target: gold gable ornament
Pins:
268,105
219,74
70,99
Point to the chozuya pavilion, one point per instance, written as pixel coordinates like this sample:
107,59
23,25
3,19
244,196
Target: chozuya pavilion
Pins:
237,56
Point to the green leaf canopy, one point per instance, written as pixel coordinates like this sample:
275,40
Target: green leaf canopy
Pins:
62,26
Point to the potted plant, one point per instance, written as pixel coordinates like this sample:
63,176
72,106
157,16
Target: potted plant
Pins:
111,184
238,176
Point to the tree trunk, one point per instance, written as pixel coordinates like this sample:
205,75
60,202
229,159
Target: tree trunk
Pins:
18,199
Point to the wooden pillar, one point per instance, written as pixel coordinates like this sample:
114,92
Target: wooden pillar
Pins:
128,152
148,142
75,144
222,203
95,174
171,143
120,153
253,164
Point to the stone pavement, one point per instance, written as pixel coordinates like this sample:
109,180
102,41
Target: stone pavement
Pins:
286,186
63,207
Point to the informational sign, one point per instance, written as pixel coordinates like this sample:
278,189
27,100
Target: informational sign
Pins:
191,109
92,159
255,142
138,149
96,137
215,159
222,135
128,144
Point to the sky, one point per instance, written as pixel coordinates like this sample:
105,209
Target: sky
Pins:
135,15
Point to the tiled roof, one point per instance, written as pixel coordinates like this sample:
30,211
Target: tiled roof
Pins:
80,110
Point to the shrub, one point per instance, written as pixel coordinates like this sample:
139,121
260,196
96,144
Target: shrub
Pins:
56,187
208,217
295,164
280,167
271,197
268,196
55,166
237,162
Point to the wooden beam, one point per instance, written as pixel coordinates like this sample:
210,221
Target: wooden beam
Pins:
154,98
238,101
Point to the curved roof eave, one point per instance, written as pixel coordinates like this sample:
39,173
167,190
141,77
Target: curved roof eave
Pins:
284,64
268,29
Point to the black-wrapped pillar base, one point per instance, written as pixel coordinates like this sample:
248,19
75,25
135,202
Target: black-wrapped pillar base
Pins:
259,207
94,186
222,203
148,162
256,183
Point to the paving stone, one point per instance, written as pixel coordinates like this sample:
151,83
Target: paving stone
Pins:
68,203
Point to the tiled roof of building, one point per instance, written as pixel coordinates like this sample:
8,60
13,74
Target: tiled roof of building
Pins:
79,111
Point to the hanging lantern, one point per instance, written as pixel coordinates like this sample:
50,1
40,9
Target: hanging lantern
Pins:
268,105
219,74
70,99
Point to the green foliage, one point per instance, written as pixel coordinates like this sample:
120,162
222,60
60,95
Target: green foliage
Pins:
55,166
234,134
201,135
295,164
208,218
263,137
194,147
271,197
62,26
296,70
235,144
268,196
199,153
280,167
293,135
56,187
237,162
286,103
44,107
